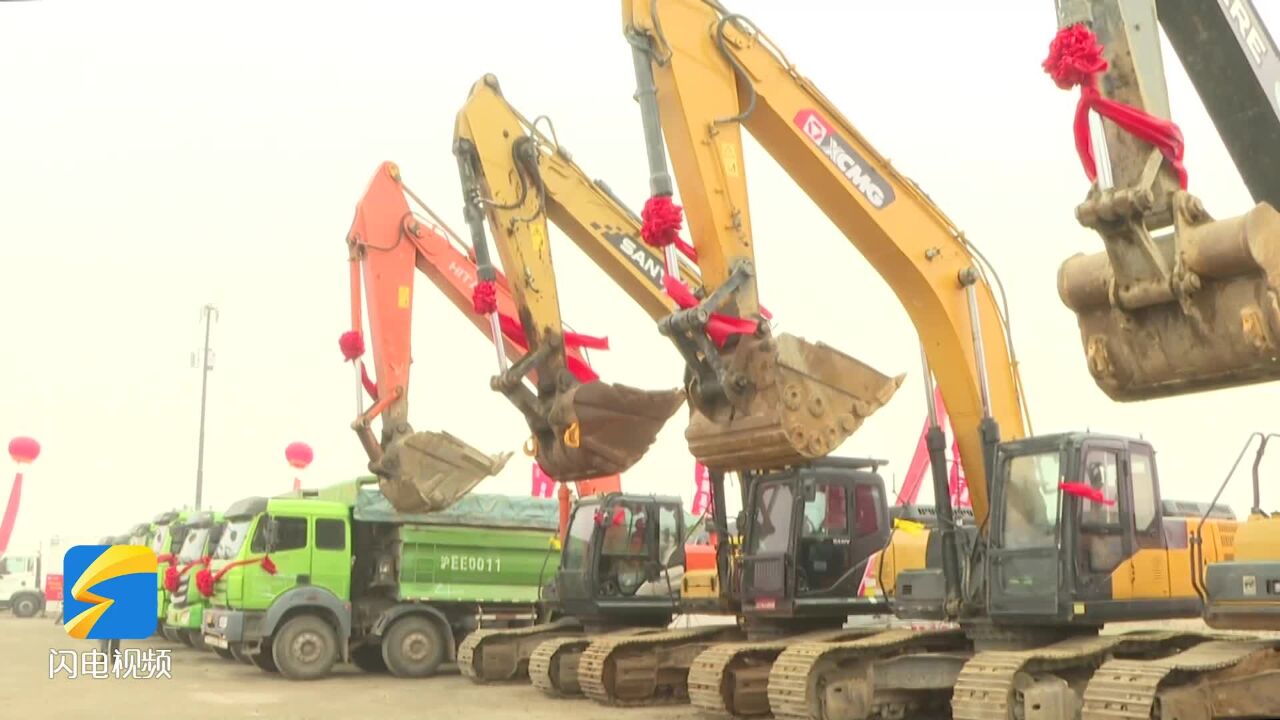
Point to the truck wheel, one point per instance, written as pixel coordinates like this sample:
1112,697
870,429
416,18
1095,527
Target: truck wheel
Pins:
223,653
26,606
305,648
263,659
413,647
369,659
193,638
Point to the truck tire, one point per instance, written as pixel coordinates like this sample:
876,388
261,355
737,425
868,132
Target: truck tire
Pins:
25,606
193,638
305,647
413,647
262,659
223,653
369,659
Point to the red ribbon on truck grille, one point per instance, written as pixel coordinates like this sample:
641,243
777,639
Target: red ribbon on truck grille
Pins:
205,580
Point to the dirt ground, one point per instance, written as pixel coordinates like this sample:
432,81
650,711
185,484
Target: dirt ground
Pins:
204,686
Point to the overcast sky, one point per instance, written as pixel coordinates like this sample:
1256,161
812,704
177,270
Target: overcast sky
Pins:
155,158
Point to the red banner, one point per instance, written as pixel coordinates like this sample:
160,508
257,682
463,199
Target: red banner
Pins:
53,588
701,488
543,485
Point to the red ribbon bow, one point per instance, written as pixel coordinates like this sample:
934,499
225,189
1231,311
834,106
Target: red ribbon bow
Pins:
1075,58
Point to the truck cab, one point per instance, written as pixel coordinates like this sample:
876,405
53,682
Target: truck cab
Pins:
20,584
168,530
185,603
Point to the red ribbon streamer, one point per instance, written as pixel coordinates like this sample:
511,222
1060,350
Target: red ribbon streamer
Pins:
206,580
1088,492
513,329
10,513
351,343
1075,58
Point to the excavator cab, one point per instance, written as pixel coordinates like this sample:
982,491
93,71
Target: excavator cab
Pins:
1079,536
622,561
812,530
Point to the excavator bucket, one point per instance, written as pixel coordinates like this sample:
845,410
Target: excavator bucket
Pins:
603,429
1214,324
428,471
808,399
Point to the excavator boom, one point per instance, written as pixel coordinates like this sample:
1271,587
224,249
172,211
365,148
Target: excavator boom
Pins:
425,471
715,73
582,429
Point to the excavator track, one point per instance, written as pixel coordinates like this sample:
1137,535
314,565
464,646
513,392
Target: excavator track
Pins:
733,680
795,677
611,674
471,651
1128,689
547,663
986,687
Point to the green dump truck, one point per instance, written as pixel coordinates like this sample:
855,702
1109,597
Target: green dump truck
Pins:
185,603
299,583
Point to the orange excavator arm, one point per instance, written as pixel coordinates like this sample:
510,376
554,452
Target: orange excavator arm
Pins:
419,472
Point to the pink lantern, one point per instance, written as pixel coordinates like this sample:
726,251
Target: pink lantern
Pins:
299,455
24,450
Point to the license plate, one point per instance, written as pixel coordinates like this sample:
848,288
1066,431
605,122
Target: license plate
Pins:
216,641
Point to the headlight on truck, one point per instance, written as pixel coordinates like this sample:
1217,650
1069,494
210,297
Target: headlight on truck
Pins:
222,623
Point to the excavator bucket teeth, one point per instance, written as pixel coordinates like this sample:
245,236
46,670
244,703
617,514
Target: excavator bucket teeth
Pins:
1143,342
429,471
807,399
612,426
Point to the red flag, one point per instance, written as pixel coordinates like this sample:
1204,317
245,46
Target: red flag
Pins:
543,485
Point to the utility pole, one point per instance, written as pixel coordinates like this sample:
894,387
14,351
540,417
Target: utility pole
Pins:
208,314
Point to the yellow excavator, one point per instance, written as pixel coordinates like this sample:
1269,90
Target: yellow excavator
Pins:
1179,303
1071,531
843,499
581,429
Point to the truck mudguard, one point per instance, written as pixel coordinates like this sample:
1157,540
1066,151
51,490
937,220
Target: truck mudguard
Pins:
396,612
311,597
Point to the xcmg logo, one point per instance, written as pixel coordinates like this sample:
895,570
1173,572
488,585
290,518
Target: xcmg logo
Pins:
841,154
113,592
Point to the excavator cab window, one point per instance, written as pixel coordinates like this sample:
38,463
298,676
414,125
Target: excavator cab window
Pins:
670,540
1101,530
771,530
576,545
627,547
